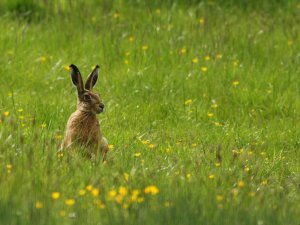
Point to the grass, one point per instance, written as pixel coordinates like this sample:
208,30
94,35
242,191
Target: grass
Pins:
202,112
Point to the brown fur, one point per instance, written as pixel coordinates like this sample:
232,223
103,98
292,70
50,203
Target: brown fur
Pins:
83,127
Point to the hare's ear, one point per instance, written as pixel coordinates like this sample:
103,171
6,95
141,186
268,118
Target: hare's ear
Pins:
92,78
77,79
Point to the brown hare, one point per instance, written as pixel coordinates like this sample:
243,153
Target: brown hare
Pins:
83,127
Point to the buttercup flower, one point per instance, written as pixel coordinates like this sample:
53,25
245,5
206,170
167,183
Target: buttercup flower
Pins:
122,190
152,189
211,176
70,201
241,184
204,69
188,102
38,205
219,198
55,195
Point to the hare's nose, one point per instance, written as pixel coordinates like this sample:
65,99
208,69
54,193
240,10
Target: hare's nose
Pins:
101,105
101,108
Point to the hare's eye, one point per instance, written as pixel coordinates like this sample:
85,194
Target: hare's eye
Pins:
87,98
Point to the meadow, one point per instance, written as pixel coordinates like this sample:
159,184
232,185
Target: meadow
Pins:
202,112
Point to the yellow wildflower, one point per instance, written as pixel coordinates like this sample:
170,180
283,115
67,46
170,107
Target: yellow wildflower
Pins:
151,146
145,142
67,68
70,201
188,102
99,203
194,145
195,60
250,152
119,199
201,21
134,195
207,58
241,184
183,51
152,189
215,105
123,191
126,176
6,113
55,195
111,147
217,164
145,47
210,114
38,205
140,199
43,59
93,67
204,69
131,39
62,213
217,124
236,63
219,198
211,176
58,136
235,83
95,192
264,182
219,56
135,192
247,169
89,187
112,194
137,154
9,166
116,15
234,191
81,192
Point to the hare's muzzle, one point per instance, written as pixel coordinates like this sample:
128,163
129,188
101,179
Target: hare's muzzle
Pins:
100,108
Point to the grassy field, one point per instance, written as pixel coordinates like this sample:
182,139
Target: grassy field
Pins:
202,112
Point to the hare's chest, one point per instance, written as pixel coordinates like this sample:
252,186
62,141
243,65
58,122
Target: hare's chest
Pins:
86,131
89,132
